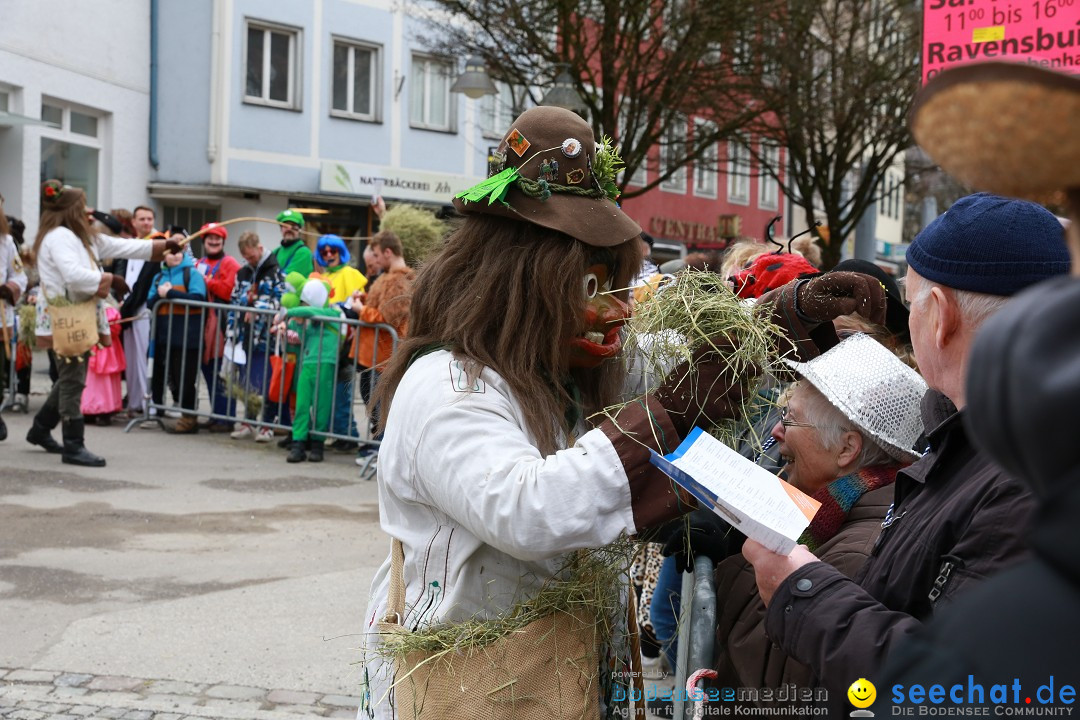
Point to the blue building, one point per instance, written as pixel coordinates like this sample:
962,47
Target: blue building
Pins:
262,104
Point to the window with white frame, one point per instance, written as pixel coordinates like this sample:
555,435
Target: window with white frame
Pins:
768,187
356,80
5,100
430,107
738,171
272,65
673,155
71,146
497,111
706,167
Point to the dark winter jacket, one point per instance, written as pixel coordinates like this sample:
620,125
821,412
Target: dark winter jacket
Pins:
745,655
957,519
259,288
1024,394
135,300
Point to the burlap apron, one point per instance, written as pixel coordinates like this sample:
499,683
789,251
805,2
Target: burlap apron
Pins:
547,669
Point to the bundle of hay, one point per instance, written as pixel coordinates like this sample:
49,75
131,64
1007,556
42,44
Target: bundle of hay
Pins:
694,310
27,325
420,232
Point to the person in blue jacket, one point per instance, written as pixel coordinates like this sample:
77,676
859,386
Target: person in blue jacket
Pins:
177,330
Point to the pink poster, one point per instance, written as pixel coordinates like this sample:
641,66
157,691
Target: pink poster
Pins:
1041,32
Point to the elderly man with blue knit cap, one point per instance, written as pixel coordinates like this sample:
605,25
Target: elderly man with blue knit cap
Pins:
957,517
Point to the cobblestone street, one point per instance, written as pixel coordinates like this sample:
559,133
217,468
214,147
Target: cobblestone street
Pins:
196,576
46,695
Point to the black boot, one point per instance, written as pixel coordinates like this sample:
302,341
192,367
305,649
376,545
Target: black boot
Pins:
316,454
40,434
75,452
297,454
3,429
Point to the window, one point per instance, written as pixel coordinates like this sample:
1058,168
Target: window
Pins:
742,53
71,146
430,107
356,81
673,155
706,167
273,74
738,174
4,101
768,188
497,111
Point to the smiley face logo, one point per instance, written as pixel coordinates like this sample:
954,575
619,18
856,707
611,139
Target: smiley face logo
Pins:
862,693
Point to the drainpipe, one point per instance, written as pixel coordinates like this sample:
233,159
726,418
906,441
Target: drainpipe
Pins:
153,82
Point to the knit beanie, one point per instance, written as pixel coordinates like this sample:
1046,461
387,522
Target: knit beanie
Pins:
990,244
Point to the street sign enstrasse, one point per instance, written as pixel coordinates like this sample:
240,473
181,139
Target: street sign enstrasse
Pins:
1039,32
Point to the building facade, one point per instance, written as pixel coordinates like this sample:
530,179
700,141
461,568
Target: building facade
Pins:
74,101
265,104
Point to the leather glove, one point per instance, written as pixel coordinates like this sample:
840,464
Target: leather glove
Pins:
173,246
119,286
701,533
6,295
828,296
704,388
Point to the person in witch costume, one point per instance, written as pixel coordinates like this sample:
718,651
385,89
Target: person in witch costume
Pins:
68,256
493,466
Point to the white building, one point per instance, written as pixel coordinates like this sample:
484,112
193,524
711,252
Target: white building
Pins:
83,68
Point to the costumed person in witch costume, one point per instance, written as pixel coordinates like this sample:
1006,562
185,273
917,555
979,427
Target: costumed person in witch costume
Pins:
315,387
68,256
494,466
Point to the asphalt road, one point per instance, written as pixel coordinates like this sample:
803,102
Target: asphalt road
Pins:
198,559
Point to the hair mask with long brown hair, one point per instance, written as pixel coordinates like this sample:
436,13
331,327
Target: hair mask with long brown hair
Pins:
66,208
511,296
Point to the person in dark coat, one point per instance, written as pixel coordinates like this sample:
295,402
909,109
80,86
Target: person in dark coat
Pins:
1024,388
957,517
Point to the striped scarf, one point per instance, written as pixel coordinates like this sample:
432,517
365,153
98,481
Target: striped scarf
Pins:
838,497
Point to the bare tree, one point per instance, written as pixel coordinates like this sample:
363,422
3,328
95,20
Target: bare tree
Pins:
839,76
641,67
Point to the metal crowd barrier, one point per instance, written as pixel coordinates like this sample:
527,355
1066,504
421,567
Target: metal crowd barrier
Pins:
7,398
236,377
697,630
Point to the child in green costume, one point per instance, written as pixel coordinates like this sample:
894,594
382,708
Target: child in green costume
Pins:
315,385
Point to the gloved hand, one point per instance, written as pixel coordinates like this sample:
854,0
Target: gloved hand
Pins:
828,296
173,246
704,388
119,286
6,295
702,532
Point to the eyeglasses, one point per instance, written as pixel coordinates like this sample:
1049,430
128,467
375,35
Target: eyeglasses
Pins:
329,251
792,423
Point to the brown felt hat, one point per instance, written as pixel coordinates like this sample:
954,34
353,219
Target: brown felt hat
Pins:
554,151
1007,128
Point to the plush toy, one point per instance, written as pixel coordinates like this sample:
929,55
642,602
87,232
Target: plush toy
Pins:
770,271
307,302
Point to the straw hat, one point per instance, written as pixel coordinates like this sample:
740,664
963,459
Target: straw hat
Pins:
548,174
1003,127
873,389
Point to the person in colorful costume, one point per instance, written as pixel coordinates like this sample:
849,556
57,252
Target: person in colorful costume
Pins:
315,386
219,270
293,255
494,465
332,255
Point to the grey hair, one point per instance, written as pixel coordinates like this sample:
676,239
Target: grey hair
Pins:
831,424
974,307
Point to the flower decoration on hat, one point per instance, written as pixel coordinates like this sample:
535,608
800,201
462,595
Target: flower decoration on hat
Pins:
51,189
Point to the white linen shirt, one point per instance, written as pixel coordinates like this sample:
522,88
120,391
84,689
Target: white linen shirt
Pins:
483,516
65,268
